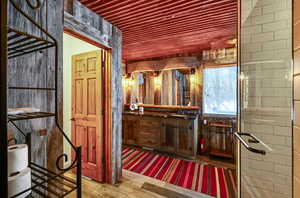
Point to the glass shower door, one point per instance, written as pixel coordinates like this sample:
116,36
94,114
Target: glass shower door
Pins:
265,99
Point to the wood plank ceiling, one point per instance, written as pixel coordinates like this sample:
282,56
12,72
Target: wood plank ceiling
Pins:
154,28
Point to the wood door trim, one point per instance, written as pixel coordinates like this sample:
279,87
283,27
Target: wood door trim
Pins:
84,38
107,115
106,105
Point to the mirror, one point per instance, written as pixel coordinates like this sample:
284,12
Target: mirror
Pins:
166,87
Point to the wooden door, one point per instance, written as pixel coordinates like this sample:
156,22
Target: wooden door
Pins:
169,134
87,115
130,129
149,132
185,137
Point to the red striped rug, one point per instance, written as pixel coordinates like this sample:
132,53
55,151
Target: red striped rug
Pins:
214,181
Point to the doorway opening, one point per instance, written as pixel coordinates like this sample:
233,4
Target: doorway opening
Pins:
84,77
179,124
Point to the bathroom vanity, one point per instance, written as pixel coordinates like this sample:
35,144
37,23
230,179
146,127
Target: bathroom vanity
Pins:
171,129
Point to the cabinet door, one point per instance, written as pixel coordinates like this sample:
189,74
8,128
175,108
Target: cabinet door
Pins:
169,133
185,137
130,128
150,132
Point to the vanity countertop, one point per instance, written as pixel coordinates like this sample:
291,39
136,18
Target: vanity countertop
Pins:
167,106
158,114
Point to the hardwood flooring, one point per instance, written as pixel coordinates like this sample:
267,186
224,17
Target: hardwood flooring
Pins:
221,162
134,185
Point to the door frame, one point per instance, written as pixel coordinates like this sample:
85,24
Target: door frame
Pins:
106,105
238,97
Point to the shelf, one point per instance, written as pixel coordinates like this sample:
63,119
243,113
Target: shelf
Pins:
46,183
221,124
21,43
29,116
221,153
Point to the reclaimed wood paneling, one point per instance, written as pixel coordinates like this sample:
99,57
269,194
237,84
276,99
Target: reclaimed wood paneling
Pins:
68,6
37,70
90,25
164,63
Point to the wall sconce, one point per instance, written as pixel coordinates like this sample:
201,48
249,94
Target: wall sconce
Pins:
193,76
127,81
157,79
193,79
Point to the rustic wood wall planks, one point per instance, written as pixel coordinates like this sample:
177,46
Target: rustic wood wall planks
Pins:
90,25
37,70
164,63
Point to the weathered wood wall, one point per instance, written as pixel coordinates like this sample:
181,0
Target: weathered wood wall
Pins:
164,63
37,70
90,25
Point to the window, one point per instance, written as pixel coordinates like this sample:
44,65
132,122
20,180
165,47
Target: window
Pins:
220,89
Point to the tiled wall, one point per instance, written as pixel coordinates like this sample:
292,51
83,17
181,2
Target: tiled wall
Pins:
266,56
297,98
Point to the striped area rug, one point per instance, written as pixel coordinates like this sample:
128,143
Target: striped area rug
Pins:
214,181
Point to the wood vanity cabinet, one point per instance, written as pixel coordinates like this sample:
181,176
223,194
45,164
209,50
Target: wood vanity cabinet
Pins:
150,132
130,129
172,135
179,136
186,137
169,135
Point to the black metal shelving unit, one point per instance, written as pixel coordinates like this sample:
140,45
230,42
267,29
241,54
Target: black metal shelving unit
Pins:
45,183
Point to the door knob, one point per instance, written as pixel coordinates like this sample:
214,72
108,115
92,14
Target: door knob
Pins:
72,119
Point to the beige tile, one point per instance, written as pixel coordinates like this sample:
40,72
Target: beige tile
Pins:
297,35
296,13
297,113
296,138
297,62
297,88
297,165
296,187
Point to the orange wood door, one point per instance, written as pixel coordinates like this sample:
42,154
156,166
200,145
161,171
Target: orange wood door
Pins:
87,118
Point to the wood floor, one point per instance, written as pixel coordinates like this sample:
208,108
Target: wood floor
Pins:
134,185
221,162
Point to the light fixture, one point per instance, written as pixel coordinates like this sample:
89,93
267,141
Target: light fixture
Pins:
127,80
192,76
157,81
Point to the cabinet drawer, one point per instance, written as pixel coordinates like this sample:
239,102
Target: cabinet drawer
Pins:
149,139
129,118
150,123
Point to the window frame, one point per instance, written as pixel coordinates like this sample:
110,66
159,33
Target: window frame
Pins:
203,92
